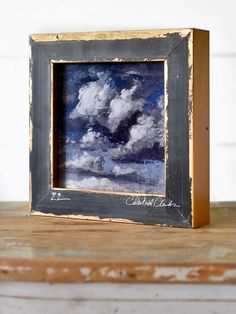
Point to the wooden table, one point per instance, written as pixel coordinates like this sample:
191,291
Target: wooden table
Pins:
61,250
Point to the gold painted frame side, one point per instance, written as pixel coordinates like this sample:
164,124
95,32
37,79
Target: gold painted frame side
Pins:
199,126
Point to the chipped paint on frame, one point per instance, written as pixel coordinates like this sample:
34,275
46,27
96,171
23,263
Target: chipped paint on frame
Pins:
166,117
190,113
84,217
119,35
106,60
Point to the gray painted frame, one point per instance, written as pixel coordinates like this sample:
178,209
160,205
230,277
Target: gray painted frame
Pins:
175,208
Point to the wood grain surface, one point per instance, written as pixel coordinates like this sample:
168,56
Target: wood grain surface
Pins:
100,298
52,249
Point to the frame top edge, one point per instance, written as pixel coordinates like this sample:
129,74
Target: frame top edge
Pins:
109,35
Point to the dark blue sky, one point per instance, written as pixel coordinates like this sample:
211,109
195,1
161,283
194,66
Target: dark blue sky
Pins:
148,77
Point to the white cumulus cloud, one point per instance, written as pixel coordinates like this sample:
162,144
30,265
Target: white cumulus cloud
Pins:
92,140
87,162
94,97
117,170
145,133
122,107
94,183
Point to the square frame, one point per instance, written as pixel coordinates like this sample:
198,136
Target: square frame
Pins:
185,53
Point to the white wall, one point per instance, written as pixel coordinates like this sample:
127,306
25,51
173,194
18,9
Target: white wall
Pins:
20,18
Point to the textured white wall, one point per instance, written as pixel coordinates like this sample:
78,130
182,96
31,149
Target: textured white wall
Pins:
20,18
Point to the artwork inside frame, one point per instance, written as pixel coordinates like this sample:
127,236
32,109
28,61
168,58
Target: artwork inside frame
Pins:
110,126
119,126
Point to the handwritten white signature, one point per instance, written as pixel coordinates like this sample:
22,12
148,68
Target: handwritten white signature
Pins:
153,201
57,197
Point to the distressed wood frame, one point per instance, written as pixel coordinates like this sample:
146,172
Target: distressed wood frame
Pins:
185,53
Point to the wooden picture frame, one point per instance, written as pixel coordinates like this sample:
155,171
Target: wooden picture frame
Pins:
185,56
